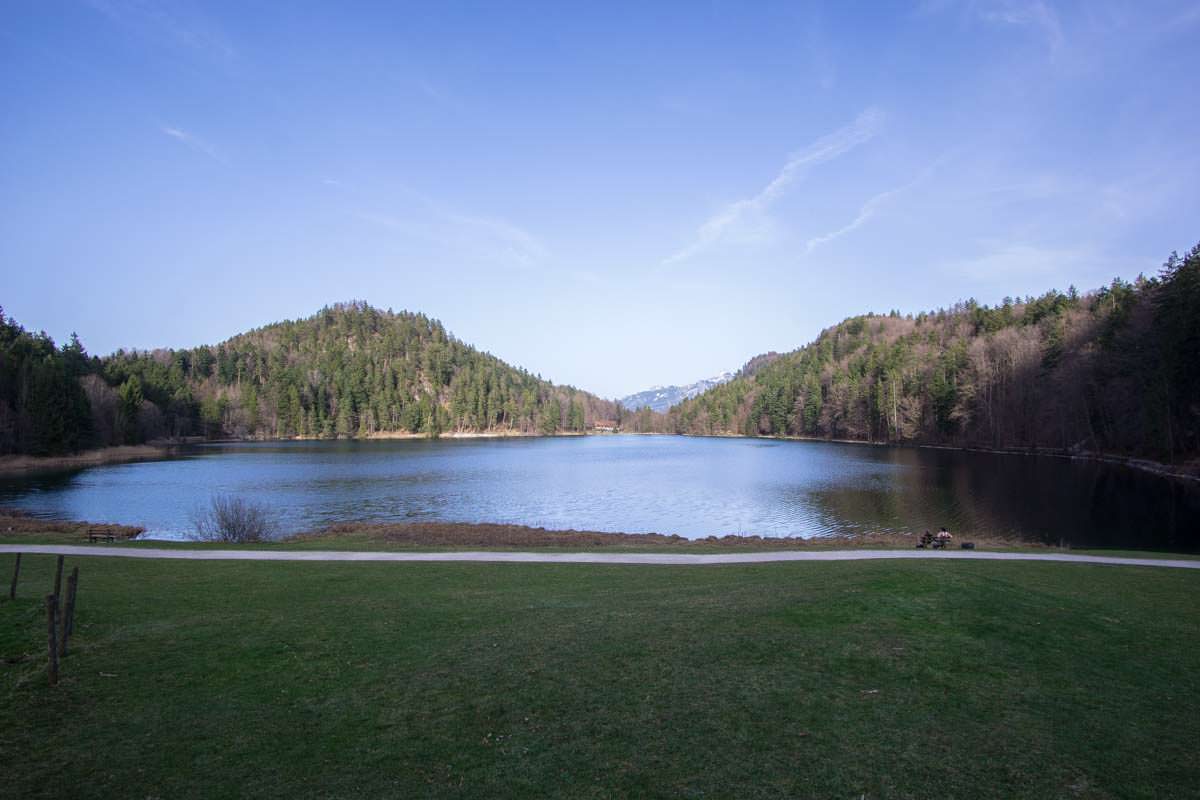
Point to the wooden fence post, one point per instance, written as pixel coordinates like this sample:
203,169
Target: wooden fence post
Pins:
12,592
58,579
68,622
51,614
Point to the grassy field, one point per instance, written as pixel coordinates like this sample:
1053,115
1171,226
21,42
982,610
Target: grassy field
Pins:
853,679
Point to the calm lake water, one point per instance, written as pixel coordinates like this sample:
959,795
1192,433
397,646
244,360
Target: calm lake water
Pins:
691,486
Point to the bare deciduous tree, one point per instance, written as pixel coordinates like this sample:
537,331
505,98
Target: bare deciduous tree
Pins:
232,519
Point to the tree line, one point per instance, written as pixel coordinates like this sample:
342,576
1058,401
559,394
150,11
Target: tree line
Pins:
1116,371
43,406
1113,371
351,370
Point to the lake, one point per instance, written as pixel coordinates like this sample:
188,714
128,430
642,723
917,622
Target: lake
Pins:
694,487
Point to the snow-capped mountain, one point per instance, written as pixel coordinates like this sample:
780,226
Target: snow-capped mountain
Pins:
660,398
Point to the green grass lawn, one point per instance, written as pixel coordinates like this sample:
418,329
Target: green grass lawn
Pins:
851,679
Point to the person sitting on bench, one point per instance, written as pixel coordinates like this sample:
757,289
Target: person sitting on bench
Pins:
942,539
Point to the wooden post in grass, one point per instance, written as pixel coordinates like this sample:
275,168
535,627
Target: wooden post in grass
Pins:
12,592
68,621
58,579
51,619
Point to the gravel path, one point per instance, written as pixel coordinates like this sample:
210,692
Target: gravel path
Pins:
678,559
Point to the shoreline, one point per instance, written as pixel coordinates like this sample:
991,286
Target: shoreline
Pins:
156,451
161,451
25,464
493,534
1186,472
16,525
19,528
505,434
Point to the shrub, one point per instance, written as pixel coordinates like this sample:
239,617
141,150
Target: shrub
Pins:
232,519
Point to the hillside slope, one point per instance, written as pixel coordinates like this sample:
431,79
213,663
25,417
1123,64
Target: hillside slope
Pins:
1115,371
350,370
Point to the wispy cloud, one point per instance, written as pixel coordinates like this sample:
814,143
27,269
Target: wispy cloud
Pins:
510,240
439,95
168,23
748,212
1036,16
864,215
483,237
194,142
870,208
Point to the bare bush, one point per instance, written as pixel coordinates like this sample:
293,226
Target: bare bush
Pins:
232,519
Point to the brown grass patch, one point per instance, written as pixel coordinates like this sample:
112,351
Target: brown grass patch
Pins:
16,524
461,534
88,458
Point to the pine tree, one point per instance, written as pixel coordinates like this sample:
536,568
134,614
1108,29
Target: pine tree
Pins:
131,405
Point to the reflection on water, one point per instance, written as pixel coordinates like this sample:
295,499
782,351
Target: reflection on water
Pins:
1036,498
693,487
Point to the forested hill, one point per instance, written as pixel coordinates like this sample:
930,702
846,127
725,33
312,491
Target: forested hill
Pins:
1114,371
350,370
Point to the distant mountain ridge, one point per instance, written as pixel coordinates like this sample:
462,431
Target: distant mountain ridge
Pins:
661,398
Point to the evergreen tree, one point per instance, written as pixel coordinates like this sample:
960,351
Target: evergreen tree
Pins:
131,406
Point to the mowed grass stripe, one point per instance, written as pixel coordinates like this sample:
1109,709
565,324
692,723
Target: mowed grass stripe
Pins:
875,678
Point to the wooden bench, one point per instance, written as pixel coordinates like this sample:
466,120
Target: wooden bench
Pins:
101,535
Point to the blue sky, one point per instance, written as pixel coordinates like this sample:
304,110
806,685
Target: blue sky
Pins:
609,195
